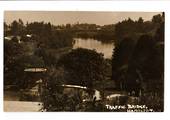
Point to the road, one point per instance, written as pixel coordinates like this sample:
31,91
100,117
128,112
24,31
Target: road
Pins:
12,103
20,106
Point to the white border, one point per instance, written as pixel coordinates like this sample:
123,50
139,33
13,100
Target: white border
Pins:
150,6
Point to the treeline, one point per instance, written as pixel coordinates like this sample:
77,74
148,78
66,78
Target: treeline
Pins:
103,33
134,29
35,44
138,62
42,33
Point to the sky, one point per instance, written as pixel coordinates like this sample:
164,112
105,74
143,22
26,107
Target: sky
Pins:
64,17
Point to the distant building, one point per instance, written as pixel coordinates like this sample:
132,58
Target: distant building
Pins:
98,28
12,36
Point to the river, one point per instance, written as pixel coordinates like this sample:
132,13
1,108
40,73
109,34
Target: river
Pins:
100,47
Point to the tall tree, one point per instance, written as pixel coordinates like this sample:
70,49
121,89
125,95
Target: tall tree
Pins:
17,27
120,60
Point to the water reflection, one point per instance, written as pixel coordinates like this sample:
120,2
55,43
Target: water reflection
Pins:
105,48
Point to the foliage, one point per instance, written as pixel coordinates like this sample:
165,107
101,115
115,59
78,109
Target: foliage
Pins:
13,50
138,66
60,39
31,51
121,59
71,70
17,27
16,60
52,97
134,29
75,62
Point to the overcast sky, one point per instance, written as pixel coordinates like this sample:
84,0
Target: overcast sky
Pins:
56,18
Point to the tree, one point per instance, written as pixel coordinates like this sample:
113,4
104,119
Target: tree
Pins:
60,39
134,29
6,29
26,79
157,18
47,36
16,61
120,61
79,67
12,51
17,27
52,96
141,67
148,59
68,26
140,63
140,20
14,27
83,67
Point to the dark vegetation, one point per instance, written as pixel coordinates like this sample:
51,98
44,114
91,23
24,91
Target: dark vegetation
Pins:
137,63
102,33
83,67
134,29
79,67
39,49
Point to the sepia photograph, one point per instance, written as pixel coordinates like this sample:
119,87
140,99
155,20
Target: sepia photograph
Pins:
83,61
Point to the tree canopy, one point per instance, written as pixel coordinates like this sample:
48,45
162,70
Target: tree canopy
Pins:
83,66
